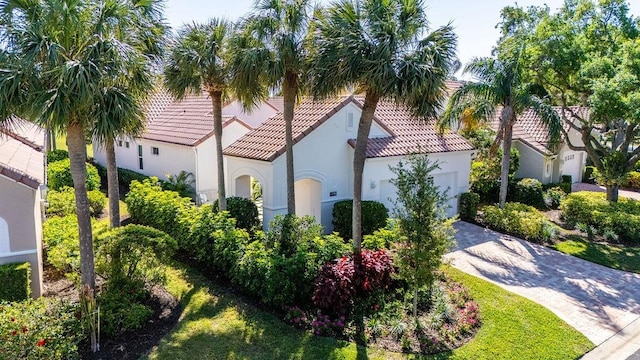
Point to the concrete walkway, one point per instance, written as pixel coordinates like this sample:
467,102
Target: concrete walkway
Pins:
597,188
598,301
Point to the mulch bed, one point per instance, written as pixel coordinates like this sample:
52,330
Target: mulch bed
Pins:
130,345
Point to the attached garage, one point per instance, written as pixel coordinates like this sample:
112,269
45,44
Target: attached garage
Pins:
572,164
445,182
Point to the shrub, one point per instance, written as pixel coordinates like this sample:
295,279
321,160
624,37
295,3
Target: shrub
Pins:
287,232
589,174
553,197
243,210
374,217
341,283
469,206
182,183
39,329
15,280
122,306
126,177
134,252
632,180
592,210
57,155
529,191
520,220
383,238
59,175
566,179
63,202
149,205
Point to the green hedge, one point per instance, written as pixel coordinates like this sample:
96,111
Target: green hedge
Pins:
520,220
15,280
59,175
125,177
63,202
57,155
529,191
469,206
374,217
243,210
592,210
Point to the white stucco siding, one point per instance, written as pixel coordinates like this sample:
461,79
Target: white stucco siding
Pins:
23,219
262,171
452,176
533,164
572,162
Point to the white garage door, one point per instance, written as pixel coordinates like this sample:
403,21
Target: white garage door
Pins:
573,165
443,181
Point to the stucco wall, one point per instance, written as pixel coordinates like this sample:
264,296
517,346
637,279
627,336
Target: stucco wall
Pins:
532,164
22,212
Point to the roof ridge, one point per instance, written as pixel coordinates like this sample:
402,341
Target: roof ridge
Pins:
21,139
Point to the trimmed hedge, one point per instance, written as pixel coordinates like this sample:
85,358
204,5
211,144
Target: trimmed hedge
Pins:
469,206
374,217
15,280
520,220
592,210
57,155
63,202
125,177
59,175
529,191
243,210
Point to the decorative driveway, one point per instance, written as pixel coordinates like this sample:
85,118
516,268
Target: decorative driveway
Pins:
596,300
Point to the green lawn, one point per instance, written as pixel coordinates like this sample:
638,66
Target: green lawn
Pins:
616,257
217,325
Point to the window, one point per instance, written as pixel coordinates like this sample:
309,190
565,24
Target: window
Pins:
120,143
155,150
349,121
140,162
140,150
126,144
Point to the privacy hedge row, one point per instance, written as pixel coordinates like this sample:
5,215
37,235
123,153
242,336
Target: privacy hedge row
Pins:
63,202
374,217
278,267
59,175
57,155
243,210
469,206
125,177
15,280
592,209
520,220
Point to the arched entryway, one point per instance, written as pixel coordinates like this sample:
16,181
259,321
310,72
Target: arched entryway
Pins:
309,198
250,188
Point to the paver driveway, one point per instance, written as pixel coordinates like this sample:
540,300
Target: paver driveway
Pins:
596,300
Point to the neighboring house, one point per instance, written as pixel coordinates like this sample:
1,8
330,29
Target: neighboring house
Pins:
537,159
22,175
179,137
324,133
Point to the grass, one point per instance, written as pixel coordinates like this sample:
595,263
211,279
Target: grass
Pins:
217,325
61,143
616,257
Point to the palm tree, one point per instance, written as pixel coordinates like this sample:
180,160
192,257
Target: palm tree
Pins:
64,67
500,87
380,48
270,52
143,29
197,62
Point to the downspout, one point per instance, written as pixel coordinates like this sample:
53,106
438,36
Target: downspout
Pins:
195,153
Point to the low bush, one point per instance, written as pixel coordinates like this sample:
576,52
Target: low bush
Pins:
374,217
529,191
520,220
243,210
15,280
122,306
39,329
632,180
469,202
553,197
383,238
591,210
63,202
59,175
57,155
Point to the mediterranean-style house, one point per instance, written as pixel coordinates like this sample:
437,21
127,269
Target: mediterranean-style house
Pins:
22,175
540,161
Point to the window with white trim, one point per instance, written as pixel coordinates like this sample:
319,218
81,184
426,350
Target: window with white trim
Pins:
155,150
350,122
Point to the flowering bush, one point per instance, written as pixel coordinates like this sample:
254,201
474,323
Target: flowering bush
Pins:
319,323
39,329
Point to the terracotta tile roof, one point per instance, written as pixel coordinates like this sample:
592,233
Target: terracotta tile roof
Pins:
530,129
277,102
21,153
407,134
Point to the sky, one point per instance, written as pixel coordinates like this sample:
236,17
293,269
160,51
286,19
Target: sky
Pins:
474,20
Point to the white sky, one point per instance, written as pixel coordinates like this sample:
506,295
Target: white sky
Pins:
474,20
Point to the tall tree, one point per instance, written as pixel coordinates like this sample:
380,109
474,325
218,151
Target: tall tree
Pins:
62,65
199,61
499,86
270,52
141,26
587,54
384,49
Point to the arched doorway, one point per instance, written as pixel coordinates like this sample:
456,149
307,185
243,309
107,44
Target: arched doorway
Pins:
250,188
309,198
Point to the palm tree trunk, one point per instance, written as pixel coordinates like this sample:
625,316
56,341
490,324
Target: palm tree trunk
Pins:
216,100
113,187
612,193
359,157
47,145
78,157
289,95
507,116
